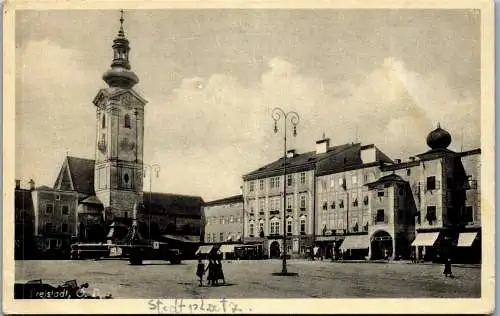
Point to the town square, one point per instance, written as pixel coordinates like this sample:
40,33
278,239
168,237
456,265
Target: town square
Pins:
211,154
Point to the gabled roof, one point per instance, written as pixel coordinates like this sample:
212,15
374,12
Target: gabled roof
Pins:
173,204
76,174
340,158
298,163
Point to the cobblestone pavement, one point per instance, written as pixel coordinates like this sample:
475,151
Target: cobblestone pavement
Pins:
253,279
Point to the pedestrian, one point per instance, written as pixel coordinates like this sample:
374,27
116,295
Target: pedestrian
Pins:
447,268
200,271
220,272
211,270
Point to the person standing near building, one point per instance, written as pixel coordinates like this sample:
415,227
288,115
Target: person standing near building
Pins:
447,268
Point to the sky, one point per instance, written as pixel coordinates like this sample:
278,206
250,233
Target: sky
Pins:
212,78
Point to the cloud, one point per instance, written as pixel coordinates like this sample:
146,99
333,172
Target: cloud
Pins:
224,128
51,82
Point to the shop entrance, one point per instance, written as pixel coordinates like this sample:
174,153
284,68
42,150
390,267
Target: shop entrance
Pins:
274,250
381,244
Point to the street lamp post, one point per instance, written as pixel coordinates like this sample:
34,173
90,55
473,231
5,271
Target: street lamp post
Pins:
149,169
294,119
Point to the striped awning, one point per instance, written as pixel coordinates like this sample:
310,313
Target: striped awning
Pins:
203,250
228,248
356,242
466,239
425,239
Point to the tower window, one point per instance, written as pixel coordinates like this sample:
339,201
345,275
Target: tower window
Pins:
103,120
127,121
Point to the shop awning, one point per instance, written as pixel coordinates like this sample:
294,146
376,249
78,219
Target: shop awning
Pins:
425,239
329,238
466,239
228,248
203,250
356,242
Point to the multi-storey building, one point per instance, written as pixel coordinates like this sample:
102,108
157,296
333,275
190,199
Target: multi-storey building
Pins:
222,224
343,199
265,207
430,202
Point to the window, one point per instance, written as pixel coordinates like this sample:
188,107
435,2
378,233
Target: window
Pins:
251,186
289,202
64,228
288,227
342,183
262,204
380,216
289,180
302,202
302,226
231,219
277,182
365,200
221,220
355,227
431,215
325,205
103,120
208,237
65,210
49,228
354,180
126,121
302,178
125,214
408,172
251,229
221,236
261,185
261,228
332,206
214,237
355,201
365,178
468,215
431,183
58,197
341,204
271,183
380,193
49,209
275,227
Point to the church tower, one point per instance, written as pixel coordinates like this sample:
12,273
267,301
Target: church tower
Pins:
119,136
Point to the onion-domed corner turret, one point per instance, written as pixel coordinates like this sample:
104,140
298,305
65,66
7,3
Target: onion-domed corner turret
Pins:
120,74
439,138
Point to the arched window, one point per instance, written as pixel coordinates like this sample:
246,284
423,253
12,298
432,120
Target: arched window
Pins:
127,121
103,120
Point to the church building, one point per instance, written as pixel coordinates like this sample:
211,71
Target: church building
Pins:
103,195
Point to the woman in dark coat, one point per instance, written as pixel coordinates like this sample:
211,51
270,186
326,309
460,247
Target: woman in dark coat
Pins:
211,272
447,268
200,271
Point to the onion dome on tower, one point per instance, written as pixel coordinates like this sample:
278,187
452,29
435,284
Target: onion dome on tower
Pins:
120,74
439,138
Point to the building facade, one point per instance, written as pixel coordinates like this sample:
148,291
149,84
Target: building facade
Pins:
223,220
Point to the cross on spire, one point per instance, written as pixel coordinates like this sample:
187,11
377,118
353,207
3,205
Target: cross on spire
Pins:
121,32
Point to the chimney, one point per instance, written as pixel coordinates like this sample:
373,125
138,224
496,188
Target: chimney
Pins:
32,184
398,160
18,184
322,145
290,153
